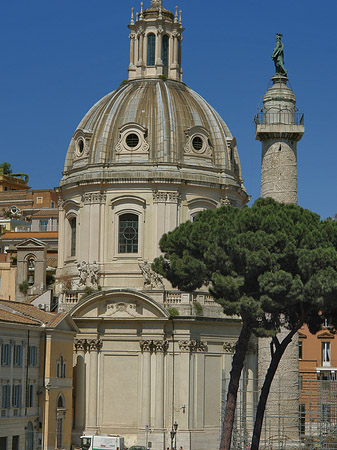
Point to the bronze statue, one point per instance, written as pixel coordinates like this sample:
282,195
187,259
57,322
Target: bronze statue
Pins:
278,56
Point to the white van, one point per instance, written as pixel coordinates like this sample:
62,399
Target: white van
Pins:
104,442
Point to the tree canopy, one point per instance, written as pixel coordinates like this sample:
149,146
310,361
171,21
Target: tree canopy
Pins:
273,264
5,168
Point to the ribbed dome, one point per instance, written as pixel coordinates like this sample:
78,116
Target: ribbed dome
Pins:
168,116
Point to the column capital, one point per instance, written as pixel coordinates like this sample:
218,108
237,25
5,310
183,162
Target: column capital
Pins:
146,345
193,345
95,345
160,346
81,345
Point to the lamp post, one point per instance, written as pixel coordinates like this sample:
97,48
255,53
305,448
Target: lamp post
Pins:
173,433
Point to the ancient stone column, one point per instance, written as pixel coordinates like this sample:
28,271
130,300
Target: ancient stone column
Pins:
160,348
94,347
80,348
146,347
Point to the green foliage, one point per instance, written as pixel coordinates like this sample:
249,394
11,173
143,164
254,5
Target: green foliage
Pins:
50,279
163,77
5,168
123,83
88,290
267,263
173,312
197,308
23,287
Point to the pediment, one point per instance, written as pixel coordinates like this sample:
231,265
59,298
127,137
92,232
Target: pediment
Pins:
326,335
31,243
127,305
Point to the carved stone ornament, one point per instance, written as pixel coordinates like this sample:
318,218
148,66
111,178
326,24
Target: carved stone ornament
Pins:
95,345
138,145
81,345
145,345
159,346
94,197
166,197
226,201
197,142
229,347
193,345
88,345
121,308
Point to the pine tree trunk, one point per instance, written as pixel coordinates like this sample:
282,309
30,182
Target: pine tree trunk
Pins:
261,406
235,374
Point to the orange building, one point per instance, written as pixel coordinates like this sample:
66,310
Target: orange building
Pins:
317,371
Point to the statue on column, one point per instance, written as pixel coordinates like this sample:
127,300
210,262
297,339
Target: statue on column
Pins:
278,56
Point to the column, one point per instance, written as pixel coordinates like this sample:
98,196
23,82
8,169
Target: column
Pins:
175,49
146,346
145,50
132,45
80,347
160,349
141,47
94,347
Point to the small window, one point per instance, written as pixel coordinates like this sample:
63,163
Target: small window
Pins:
300,349
17,393
30,396
60,402
326,358
32,355
59,432
302,418
197,143
165,50
43,225
17,355
6,396
39,200
132,140
80,147
128,233
5,354
31,271
151,49
52,205
72,223
61,368
15,442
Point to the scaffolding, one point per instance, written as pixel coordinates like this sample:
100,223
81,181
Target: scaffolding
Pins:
308,423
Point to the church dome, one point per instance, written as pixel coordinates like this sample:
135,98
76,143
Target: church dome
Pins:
153,121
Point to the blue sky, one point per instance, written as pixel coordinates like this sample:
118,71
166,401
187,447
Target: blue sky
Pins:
59,57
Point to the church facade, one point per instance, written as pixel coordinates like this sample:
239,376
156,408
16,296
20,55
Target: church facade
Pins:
148,360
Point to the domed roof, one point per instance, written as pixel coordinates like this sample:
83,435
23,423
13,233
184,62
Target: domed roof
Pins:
174,123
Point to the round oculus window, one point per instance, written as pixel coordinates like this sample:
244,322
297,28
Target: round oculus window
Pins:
80,147
197,143
132,140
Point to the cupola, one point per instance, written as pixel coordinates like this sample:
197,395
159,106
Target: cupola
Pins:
155,42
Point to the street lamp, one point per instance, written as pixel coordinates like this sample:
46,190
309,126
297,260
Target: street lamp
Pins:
173,433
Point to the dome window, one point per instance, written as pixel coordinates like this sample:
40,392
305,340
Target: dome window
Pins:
151,49
80,147
197,143
132,140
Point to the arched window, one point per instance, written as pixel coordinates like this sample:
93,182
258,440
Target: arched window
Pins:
128,233
31,270
61,368
72,223
165,51
60,402
151,49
